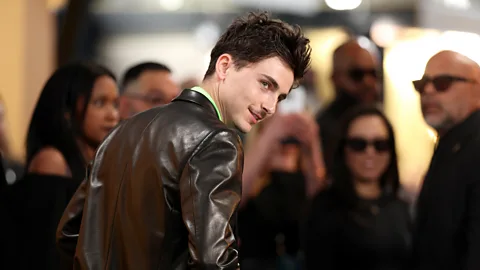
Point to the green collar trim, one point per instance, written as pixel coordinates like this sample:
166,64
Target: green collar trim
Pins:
209,97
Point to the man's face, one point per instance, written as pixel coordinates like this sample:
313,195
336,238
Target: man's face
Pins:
448,92
152,88
253,92
358,76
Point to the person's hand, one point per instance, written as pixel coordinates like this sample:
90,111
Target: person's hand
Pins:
309,130
283,126
313,165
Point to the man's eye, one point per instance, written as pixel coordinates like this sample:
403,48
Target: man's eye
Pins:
266,85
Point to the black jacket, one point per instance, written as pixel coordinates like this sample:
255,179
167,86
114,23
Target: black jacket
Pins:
329,121
162,193
447,231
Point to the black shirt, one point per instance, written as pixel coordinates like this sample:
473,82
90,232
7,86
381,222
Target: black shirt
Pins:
273,218
374,235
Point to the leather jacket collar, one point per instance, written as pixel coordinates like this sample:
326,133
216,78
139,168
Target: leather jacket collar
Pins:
197,98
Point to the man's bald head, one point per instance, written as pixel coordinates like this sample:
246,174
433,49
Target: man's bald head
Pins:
449,89
355,71
347,52
455,63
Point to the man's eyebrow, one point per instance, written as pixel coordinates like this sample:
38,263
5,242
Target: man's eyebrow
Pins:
271,80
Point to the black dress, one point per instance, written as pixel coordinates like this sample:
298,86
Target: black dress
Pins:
375,235
31,210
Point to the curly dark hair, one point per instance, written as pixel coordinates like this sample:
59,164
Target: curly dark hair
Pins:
256,36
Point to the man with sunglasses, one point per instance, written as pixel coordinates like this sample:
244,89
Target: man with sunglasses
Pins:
447,229
355,79
144,86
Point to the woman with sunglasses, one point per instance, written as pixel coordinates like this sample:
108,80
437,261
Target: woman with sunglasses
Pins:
359,222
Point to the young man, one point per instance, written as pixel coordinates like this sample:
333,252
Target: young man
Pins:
165,185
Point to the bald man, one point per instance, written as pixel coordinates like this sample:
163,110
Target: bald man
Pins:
447,229
355,79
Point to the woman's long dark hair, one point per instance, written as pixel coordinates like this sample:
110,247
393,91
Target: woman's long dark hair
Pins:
342,177
56,120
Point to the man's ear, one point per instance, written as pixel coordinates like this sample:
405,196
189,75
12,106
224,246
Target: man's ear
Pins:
224,63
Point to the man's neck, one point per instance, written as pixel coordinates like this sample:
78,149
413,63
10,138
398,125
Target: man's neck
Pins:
212,89
441,132
343,101
445,128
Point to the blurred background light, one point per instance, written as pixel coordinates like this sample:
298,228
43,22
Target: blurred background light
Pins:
384,31
171,5
343,4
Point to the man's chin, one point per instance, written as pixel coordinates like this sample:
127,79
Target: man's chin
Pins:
435,122
244,128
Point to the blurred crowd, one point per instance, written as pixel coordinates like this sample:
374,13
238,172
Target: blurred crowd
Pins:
320,186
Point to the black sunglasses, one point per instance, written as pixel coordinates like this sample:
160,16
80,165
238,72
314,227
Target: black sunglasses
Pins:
441,83
358,74
359,144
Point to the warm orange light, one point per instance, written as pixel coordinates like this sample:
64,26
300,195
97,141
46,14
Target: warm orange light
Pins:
54,5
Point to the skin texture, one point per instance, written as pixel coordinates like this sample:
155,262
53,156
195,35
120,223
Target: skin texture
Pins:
351,55
368,166
152,88
248,95
443,110
102,114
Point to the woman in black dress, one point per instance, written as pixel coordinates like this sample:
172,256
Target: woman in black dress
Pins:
359,222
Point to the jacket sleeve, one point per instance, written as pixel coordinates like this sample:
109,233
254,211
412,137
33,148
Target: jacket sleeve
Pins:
473,226
69,225
210,190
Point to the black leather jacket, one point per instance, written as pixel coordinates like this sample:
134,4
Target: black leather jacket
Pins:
162,193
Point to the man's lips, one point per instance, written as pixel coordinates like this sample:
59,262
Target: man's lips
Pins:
255,117
430,108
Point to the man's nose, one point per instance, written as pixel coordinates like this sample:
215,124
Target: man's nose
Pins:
268,111
269,107
429,88
370,81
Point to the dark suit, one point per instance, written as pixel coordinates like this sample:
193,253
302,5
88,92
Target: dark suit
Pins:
329,122
162,193
447,233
